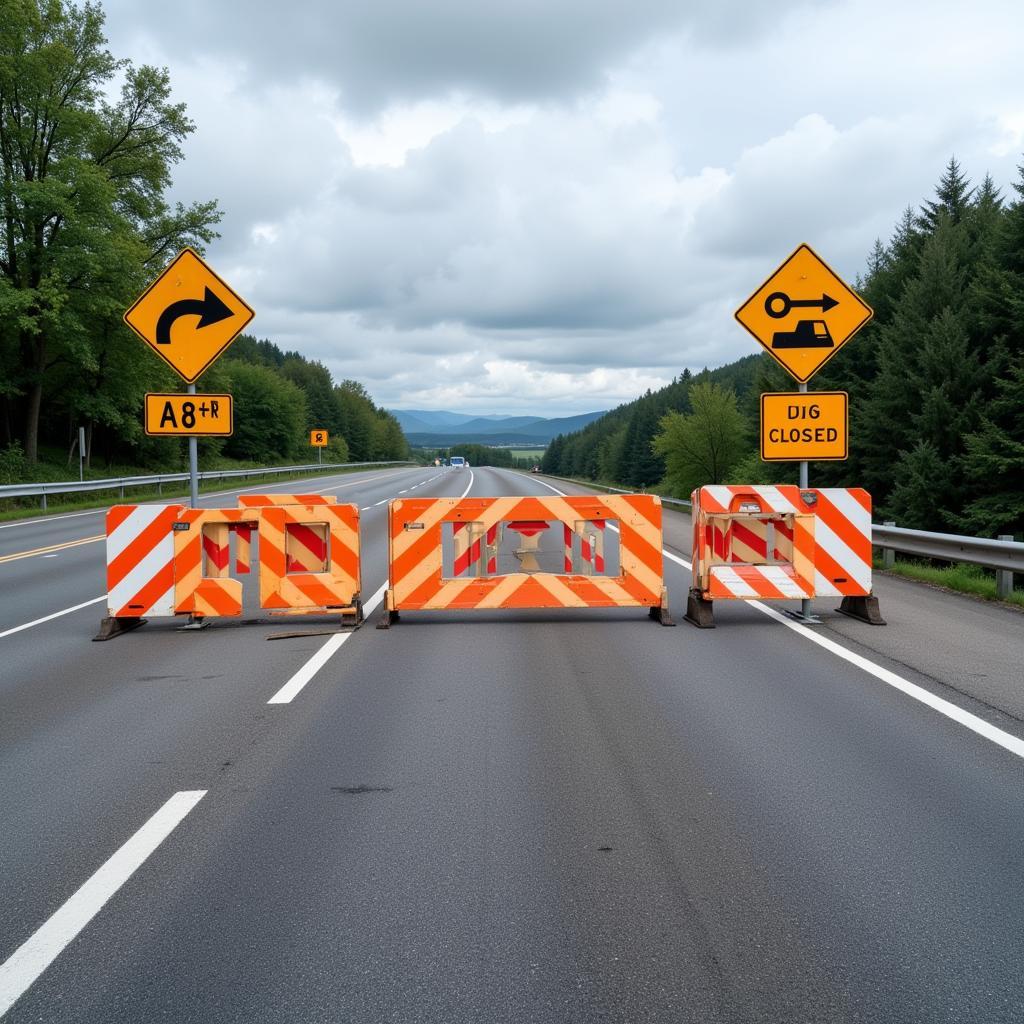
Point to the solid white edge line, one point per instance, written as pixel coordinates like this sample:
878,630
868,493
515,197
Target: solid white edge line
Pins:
977,725
469,486
54,615
29,960
294,686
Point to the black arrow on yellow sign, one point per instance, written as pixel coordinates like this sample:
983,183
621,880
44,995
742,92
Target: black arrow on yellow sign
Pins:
210,310
778,304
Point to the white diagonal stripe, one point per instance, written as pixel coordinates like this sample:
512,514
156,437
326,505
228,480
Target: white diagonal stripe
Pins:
128,530
734,583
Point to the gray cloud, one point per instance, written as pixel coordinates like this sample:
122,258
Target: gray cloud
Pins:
555,206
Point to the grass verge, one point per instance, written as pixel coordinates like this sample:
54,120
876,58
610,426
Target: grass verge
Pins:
962,579
171,492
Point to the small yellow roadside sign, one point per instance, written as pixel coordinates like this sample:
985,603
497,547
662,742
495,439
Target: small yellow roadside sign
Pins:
804,314
188,316
189,415
318,438
810,426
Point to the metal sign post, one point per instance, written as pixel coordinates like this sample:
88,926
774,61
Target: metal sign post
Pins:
81,453
193,462
805,604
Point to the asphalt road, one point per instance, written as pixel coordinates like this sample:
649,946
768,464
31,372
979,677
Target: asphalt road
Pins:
538,816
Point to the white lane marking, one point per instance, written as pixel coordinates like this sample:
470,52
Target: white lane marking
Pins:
365,508
468,486
957,714
294,686
50,556
55,615
379,503
30,959
406,491
944,707
52,519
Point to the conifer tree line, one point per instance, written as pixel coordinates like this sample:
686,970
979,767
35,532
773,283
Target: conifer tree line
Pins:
936,383
87,223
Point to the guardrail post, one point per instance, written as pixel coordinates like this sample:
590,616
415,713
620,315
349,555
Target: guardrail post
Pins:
122,491
42,501
888,554
1004,578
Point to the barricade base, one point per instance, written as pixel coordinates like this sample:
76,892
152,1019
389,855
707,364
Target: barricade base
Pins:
113,625
660,612
700,612
865,609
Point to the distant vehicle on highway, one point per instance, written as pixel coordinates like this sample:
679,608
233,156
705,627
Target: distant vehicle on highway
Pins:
536,469
458,462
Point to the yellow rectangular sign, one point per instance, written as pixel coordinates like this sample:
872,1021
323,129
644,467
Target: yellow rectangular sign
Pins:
189,415
318,438
811,426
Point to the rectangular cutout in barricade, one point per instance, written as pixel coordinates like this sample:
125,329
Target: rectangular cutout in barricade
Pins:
525,552
167,560
781,543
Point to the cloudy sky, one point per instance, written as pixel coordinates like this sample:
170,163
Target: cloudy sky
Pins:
548,206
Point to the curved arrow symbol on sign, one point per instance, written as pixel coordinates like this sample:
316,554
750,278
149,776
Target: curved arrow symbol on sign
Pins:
210,310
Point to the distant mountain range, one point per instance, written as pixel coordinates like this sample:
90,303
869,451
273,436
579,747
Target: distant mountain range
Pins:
431,428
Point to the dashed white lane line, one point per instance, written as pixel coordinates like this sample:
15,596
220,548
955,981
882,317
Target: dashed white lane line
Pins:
333,644
977,725
294,686
54,615
30,959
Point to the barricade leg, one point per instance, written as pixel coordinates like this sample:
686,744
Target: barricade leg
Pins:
699,611
660,612
865,609
113,625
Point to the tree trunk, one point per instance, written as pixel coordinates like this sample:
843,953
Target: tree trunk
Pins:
32,408
34,399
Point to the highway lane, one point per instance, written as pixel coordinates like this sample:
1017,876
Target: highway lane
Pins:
53,563
538,816
89,733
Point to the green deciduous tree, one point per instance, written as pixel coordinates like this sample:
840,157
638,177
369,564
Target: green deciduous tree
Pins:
85,217
701,447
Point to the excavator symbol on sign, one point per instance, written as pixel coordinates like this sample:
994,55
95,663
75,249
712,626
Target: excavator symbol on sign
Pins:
807,333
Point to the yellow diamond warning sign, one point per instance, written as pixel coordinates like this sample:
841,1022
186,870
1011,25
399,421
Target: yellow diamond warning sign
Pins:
318,438
188,316
804,313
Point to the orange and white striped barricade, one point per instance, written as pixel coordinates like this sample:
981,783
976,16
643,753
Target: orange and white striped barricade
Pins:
202,584
309,560
140,566
781,543
416,555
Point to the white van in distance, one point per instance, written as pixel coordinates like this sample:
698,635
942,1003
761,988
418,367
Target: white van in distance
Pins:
457,462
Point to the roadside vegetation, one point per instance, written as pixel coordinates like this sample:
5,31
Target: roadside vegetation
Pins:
88,145
964,579
936,384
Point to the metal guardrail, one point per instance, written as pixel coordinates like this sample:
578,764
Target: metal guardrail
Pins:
1005,554
41,490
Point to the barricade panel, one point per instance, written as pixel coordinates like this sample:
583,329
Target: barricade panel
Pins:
297,540
202,584
264,500
446,553
140,560
781,542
